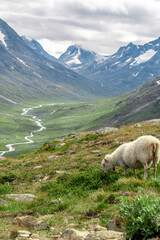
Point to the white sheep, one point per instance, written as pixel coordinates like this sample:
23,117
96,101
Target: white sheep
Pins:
139,153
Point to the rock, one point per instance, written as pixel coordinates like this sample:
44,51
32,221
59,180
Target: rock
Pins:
23,233
112,226
72,234
95,151
105,235
55,201
21,197
52,157
46,178
60,144
31,223
60,172
106,130
60,139
99,228
70,152
138,125
37,167
101,234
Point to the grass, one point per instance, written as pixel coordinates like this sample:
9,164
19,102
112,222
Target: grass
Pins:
59,120
80,194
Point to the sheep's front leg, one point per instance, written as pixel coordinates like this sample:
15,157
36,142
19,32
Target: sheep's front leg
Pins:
145,171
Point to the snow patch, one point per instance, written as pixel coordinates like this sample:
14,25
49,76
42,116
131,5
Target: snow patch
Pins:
115,63
2,38
135,74
75,59
144,57
158,82
22,62
50,66
128,60
101,84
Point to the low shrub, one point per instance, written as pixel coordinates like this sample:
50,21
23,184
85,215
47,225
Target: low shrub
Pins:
141,216
79,184
4,189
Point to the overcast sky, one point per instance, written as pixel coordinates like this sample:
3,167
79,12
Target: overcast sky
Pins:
98,25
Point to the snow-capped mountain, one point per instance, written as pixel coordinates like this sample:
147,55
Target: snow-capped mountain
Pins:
130,67
37,47
76,57
28,75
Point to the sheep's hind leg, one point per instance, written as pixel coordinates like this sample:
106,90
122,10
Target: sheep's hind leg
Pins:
145,171
155,167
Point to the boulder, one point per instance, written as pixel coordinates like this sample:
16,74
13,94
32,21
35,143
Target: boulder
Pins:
21,197
106,130
60,144
31,223
72,234
99,234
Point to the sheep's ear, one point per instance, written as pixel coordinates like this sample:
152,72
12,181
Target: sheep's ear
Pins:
106,160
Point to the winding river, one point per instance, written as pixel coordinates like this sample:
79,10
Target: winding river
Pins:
37,121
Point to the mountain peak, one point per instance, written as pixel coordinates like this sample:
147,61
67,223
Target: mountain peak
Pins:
130,44
36,46
75,56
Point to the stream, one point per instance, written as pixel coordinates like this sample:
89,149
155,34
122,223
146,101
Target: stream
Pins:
37,121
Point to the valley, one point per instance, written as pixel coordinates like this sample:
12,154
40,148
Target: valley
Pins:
58,119
90,86
62,119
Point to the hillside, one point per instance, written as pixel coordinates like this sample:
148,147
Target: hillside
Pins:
141,104
68,186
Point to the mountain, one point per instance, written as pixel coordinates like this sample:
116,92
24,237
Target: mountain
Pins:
26,75
77,58
37,47
130,67
138,105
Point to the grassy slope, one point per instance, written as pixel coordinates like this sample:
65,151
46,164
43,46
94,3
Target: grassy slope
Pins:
82,191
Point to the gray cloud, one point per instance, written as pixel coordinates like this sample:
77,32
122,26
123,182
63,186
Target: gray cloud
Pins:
101,26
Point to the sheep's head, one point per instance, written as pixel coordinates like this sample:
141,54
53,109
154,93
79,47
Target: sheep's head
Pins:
107,164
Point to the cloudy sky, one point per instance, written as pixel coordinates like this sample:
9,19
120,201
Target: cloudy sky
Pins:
98,25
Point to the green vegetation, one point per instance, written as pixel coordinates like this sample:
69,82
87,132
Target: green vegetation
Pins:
62,119
69,184
59,120
141,216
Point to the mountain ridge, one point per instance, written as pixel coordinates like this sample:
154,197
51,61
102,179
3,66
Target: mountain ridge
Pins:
32,76
131,66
